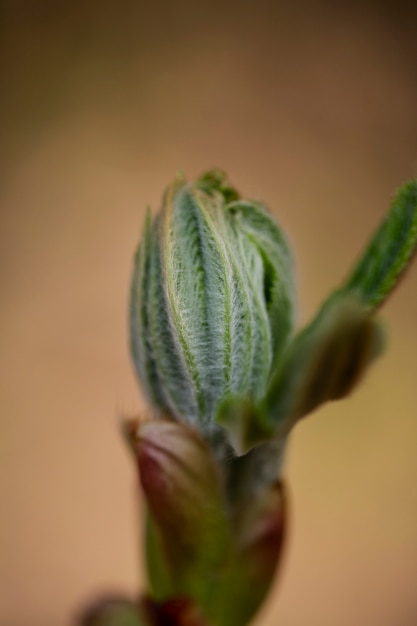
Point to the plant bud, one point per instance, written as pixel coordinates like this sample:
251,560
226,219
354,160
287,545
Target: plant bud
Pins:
211,300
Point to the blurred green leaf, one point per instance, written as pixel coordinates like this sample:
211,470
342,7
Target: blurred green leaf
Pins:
328,358
324,362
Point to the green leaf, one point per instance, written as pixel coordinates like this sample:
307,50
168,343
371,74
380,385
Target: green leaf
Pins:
328,358
324,362
266,236
389,252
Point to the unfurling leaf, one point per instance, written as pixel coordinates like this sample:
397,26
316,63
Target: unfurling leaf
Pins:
324,362
328,358
389,252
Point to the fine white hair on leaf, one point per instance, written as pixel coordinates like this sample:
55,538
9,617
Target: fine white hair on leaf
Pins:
211,302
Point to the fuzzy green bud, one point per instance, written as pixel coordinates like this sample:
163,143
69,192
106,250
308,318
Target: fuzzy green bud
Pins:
211,300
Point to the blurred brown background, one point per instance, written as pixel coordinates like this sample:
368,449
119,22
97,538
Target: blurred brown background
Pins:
311,107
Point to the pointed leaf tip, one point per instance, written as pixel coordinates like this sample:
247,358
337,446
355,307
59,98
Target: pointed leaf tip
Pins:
389,252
